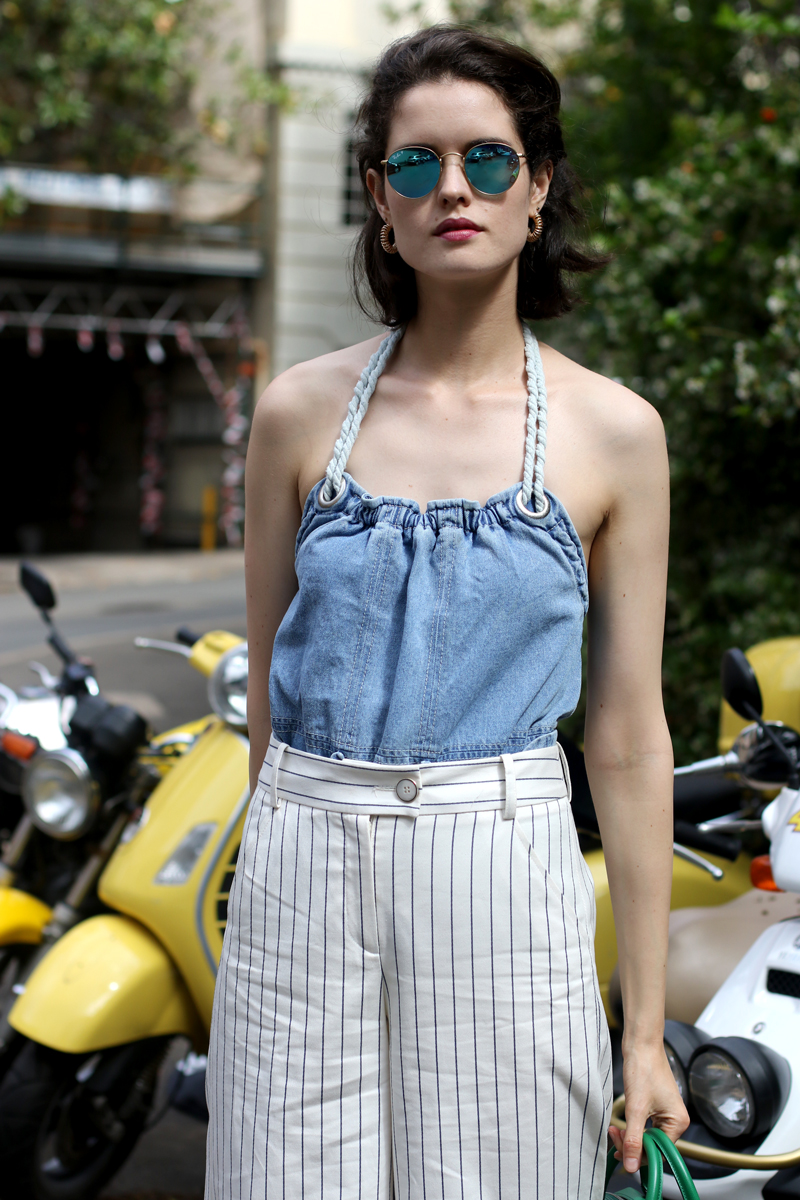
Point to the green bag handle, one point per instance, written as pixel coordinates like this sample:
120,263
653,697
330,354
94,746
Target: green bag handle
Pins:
657,1147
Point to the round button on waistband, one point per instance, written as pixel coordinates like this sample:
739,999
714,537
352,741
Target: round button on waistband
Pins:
407,790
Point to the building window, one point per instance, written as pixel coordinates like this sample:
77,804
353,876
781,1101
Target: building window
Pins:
354,210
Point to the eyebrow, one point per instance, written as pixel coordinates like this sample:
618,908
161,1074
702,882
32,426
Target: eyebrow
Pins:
468,145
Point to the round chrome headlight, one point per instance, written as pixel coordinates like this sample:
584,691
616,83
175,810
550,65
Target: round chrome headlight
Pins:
60,794
722,1094
227,686
738,1087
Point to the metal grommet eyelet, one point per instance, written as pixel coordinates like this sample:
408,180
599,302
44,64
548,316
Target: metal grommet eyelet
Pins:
539,516
323,503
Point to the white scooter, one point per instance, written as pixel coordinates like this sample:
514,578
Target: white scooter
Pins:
738,1067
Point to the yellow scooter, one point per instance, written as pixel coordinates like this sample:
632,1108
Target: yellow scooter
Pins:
101,1008
86,764
77,804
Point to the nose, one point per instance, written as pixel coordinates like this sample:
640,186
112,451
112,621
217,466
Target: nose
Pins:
453,185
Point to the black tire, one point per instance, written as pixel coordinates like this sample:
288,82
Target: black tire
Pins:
14,966
68,1122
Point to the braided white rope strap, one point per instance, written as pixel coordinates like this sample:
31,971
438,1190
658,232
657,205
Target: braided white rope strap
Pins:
536,430
331,489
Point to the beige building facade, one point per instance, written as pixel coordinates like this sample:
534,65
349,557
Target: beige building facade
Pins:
324,51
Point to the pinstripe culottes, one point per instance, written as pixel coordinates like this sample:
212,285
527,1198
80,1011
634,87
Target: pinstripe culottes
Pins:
407,1005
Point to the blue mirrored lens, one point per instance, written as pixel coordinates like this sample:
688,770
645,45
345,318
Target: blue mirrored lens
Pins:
413,172
491,168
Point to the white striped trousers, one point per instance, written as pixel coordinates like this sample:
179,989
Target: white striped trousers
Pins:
407,1005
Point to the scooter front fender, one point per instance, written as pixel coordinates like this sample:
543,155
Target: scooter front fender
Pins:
106,982
22,918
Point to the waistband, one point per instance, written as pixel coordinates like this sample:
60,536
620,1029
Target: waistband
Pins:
373,789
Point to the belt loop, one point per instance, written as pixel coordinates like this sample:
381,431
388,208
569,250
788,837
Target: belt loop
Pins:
510,806
565,767
273,783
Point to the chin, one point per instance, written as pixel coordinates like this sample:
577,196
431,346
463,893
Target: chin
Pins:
460,261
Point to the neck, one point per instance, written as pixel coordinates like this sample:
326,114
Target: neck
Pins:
465,330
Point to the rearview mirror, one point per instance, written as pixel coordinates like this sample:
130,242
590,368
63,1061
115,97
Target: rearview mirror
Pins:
740,686
37,586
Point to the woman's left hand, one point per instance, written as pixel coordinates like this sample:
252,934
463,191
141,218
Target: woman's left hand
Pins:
650,1092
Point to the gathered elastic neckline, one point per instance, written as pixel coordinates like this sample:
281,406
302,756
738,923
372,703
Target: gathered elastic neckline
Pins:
356,503
354,491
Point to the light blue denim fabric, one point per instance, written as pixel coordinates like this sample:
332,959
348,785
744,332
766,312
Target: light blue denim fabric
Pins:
449,634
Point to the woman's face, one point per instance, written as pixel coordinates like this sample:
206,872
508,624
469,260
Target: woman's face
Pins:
455,232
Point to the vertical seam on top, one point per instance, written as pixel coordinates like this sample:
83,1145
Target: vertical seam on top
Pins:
380,558
441,630
431,644
385,572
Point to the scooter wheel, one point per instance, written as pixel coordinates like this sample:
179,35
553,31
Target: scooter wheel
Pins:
62,1138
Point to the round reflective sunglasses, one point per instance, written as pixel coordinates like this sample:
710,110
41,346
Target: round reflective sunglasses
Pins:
491,168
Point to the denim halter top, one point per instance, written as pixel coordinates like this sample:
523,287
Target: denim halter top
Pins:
453,633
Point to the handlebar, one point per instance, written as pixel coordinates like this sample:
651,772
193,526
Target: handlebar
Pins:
59,645
710,766
186,636
145,643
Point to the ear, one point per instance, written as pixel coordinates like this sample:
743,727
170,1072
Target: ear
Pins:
540,185
378,190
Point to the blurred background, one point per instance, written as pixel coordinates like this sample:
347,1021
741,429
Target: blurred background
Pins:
178,201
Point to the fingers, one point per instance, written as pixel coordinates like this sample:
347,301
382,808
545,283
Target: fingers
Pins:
632,1143
616,1138
673,1124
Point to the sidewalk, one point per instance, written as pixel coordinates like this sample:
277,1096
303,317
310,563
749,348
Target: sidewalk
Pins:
90,572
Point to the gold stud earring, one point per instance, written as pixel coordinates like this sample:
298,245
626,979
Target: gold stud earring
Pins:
388,246
535,233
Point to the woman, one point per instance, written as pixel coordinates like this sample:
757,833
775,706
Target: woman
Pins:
407,1003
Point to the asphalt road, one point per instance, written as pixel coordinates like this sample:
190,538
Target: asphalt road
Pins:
104,607
103,603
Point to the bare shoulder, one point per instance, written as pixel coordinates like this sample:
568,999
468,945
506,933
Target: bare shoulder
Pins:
616,419
298,417
311,392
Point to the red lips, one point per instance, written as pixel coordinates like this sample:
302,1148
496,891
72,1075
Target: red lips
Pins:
453,223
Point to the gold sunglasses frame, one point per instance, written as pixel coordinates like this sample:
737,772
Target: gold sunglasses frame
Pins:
448,153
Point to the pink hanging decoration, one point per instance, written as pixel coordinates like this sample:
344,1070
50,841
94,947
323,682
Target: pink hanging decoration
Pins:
234,436
151,481
35,341
116,350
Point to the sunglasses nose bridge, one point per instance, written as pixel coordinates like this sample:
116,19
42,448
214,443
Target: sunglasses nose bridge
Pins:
462,174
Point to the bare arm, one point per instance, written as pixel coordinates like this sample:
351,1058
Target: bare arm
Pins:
272,508
629,756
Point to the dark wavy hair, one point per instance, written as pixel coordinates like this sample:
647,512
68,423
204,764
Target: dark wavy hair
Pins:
385,286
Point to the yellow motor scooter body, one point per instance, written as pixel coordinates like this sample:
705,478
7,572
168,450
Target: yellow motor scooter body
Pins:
691,886
106,982
777,667
209,649
202,800
22,918
164,751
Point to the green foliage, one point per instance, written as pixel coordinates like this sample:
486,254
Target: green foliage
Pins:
95,83
689,115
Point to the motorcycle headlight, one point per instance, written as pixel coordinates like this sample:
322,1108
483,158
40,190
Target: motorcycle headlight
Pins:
227,686
60,794
737,1087
680,1042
